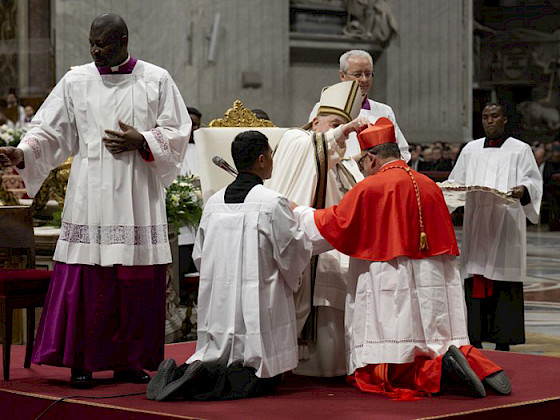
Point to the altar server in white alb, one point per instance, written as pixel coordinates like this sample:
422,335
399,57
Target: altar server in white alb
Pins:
250,253
358,65
124,122
307,170
494,244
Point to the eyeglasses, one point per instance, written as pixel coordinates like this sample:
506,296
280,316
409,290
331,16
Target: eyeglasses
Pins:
361,161
359,74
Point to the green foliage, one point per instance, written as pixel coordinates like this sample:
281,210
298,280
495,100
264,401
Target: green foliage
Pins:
184,203
56,219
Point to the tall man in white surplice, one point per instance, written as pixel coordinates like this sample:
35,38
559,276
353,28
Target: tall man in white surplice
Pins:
126,125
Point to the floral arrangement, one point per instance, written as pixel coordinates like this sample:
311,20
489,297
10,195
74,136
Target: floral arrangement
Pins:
183,201
10,136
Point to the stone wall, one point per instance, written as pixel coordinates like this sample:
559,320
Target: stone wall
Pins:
424,74
8,46
428,68
175,34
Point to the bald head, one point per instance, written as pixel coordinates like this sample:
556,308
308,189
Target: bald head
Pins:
110,21
108,39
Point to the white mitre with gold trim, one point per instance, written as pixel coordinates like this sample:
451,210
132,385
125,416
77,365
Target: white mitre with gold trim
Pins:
344,99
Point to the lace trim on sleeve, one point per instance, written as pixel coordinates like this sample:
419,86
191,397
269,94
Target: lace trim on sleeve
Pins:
161,141
33,142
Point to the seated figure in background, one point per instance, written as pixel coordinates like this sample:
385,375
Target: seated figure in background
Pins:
308,172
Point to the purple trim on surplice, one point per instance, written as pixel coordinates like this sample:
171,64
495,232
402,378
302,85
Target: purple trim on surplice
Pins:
126,68
365,104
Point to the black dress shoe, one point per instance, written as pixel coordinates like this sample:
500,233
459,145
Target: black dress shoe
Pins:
80,379
502,347
457,376
498,382
476,344
131,376
163,376
184,384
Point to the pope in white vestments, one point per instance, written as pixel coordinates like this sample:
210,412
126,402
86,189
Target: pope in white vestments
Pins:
308,171
250,253
125,124
494,244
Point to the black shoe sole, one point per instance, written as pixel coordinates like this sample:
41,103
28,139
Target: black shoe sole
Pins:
192,372
498,382
161,378
467,373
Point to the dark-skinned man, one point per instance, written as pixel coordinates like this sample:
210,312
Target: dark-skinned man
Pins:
126,125
494,245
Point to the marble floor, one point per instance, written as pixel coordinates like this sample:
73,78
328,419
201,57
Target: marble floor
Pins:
541,292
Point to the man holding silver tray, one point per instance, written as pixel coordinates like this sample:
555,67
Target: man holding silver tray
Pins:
503,186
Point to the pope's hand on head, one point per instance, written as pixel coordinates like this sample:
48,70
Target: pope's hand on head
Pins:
123,141
354,125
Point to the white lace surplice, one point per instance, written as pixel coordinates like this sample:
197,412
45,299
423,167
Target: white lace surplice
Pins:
398,309
494,231
114,210
250,257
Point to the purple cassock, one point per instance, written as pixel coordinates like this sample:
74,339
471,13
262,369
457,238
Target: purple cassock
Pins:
365,104
103,318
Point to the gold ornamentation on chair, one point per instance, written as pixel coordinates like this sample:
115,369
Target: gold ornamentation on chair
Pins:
7,198
239,116
53,187
11,187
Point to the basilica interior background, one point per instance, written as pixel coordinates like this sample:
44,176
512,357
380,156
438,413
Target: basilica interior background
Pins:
436,63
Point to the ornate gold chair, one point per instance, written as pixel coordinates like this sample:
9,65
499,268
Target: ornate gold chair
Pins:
215,140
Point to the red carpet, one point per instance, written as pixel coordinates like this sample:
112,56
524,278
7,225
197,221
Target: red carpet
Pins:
536,391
